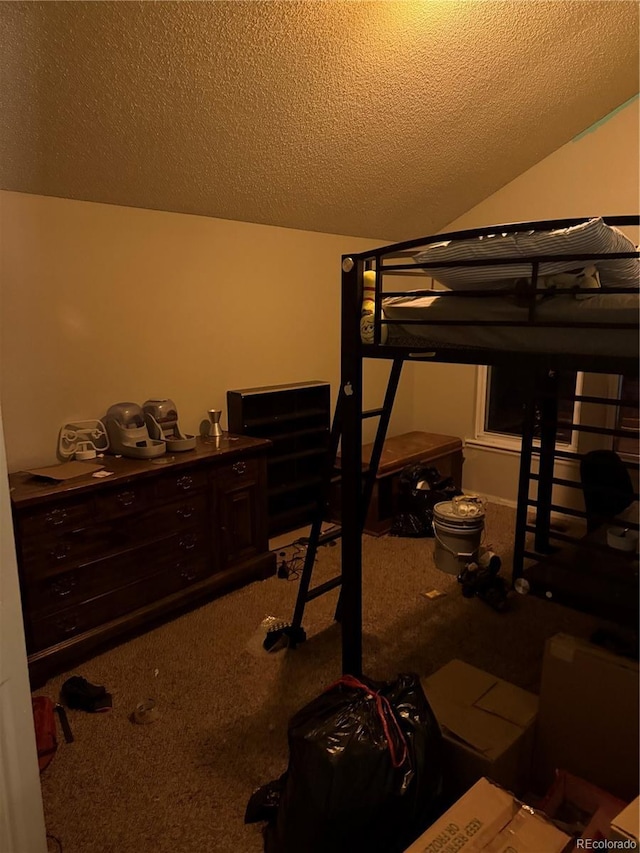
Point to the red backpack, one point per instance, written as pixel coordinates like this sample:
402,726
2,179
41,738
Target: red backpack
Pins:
45,725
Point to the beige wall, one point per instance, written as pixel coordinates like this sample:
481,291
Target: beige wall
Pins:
595,174
102,304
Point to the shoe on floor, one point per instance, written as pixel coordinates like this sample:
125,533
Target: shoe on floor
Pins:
78,693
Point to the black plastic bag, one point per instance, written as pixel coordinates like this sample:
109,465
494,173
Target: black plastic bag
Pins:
263,803
420,488
364,770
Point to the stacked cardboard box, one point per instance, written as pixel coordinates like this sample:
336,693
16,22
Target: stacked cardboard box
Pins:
488,818
625,826
582,809
584,727
588,717
487,725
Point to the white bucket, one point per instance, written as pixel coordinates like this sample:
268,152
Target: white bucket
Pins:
458,538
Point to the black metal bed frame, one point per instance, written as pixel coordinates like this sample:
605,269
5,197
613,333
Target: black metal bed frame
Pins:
538,368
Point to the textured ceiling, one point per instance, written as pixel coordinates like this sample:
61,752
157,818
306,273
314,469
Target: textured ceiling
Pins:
378,119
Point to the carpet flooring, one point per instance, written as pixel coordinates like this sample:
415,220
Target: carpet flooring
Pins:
181,784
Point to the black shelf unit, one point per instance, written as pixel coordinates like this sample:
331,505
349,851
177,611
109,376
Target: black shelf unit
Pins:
296,419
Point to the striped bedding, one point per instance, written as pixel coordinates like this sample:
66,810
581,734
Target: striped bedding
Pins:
591,237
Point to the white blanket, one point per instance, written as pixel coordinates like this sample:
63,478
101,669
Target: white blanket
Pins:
603,307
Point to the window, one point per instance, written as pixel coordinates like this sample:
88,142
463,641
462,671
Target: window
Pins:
628,418
501,400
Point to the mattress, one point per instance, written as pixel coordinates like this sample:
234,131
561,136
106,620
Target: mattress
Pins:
606,308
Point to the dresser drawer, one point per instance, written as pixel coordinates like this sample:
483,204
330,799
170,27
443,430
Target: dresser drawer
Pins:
191,511
56,518
240,472
127,498
65,624
56,592
176,485
43,556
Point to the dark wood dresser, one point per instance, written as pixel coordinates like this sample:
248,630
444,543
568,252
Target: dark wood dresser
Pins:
101,557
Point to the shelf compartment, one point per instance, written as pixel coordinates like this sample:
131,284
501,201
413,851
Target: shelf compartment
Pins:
298,454
298,486
296,419
283,418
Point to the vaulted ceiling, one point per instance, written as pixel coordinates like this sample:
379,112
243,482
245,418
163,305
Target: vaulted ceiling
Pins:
381,119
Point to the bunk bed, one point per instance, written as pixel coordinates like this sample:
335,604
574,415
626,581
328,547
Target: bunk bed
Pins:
544,296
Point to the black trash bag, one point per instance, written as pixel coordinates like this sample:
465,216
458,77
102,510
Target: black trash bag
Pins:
263,803
420,488
365,770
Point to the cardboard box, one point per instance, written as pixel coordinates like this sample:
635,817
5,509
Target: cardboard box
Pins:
489,819
588,717
487,725
626,826
582,809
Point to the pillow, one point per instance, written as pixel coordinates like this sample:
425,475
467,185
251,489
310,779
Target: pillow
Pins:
593,236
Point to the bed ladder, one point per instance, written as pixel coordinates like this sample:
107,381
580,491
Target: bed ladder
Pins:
543,397
306,593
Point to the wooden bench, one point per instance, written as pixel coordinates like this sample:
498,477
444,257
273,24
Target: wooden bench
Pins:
443,452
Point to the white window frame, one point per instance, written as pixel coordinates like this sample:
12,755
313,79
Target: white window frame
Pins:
613,421
503,441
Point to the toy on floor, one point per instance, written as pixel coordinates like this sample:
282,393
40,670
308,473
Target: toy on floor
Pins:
481,578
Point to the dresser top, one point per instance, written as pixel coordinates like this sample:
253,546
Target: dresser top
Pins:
270,389
28,490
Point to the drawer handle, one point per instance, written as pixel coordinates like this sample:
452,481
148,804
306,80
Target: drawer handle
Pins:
188,574
239,467
56,517
126,498
185,511
185,482
188,543
68,625
63,587
61,552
